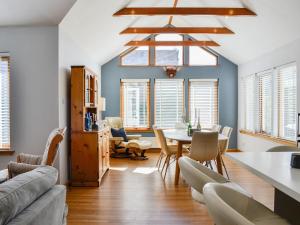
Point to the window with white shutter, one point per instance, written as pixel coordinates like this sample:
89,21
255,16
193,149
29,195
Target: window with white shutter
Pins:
169,102
287,103
249,97
203,97
4,103
135,103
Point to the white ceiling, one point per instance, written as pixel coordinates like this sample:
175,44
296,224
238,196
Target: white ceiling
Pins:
92,26
33,12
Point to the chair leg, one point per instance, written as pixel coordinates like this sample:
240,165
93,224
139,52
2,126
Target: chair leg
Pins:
160,162
164,163
222,161
210,165
159,159
167,166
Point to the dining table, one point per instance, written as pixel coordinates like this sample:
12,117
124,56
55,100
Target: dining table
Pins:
275,169
182,138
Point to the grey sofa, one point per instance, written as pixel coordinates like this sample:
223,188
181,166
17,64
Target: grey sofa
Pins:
32,198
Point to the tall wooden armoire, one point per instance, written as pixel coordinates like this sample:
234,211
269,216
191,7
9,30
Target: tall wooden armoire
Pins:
89,148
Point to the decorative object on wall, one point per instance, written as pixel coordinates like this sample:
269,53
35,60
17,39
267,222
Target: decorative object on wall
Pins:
171,71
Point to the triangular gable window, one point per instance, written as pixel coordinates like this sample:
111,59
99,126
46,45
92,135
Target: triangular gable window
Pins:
201,57
136,57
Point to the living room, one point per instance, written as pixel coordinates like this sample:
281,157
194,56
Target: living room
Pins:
159,74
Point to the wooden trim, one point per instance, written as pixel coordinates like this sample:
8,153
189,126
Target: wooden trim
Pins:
233,150
177,30
269,138
173,43
141,130
184,11
6,152
171,17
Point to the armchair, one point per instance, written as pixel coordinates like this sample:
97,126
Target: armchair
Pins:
28,162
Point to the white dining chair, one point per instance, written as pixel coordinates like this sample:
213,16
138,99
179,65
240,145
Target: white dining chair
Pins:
228,206
227,131
216,128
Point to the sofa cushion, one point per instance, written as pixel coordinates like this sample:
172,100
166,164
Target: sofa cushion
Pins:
18,193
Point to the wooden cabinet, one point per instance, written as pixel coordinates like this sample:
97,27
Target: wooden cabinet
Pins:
89,148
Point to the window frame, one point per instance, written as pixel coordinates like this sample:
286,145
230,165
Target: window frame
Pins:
205,49
276,124
148,106
183,97
130,50
217,95
8,150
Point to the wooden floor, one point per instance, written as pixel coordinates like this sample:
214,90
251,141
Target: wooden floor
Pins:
134,193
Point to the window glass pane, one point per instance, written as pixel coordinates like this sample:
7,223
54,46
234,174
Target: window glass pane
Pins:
168,102
169,55
287,79
250,90
4,103
200,57
203,97
137,57
135,104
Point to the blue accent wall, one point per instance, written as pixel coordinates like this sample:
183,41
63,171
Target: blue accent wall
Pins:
226,72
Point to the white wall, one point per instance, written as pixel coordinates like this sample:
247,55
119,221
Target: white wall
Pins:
34,86
283,55
70,53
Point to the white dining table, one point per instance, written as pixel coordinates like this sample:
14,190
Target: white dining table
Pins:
180,135
274,168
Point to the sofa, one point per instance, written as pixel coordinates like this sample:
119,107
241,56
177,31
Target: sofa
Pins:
33,198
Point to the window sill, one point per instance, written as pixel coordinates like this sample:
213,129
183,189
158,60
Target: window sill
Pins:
269,138
6,152
138,130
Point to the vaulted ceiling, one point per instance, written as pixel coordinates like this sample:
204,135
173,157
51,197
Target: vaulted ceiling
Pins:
33,12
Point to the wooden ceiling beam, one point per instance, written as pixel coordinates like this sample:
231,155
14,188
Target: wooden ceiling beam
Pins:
184,11
177,30
172,43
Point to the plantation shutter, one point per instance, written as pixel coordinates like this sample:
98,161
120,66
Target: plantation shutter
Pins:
287,104
203,98
169,102
249,89
4,103
135,103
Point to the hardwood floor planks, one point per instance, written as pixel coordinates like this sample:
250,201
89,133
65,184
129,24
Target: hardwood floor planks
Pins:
134,193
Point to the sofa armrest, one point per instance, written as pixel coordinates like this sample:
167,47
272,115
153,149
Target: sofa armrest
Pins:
29,159
15,168
134,136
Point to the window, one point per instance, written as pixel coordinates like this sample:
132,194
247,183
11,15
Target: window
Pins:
4,103
136,57
203,96
249,89
271,102
135,103
169,102
201,57
169,55
287,79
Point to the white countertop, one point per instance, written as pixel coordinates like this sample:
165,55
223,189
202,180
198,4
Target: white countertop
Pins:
274,168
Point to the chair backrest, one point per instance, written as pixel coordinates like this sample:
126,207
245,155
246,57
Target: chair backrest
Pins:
227,132
228,206
114,122
216,128
283,148
162,142
197,175
52,145
204,146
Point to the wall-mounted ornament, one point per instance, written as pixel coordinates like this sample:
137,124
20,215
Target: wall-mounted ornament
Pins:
171,71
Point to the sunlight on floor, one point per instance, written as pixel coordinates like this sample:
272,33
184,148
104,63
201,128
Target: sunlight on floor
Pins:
118,168
145,170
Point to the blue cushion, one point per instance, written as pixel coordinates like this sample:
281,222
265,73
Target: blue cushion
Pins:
119,133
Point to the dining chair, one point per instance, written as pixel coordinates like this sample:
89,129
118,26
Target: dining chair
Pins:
283,148
216,128
167,150
197,175
227,131
204,147
228,206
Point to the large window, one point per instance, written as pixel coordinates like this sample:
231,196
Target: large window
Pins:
136,57
135,103
169,55
270,100
203,98
169,102
4,104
